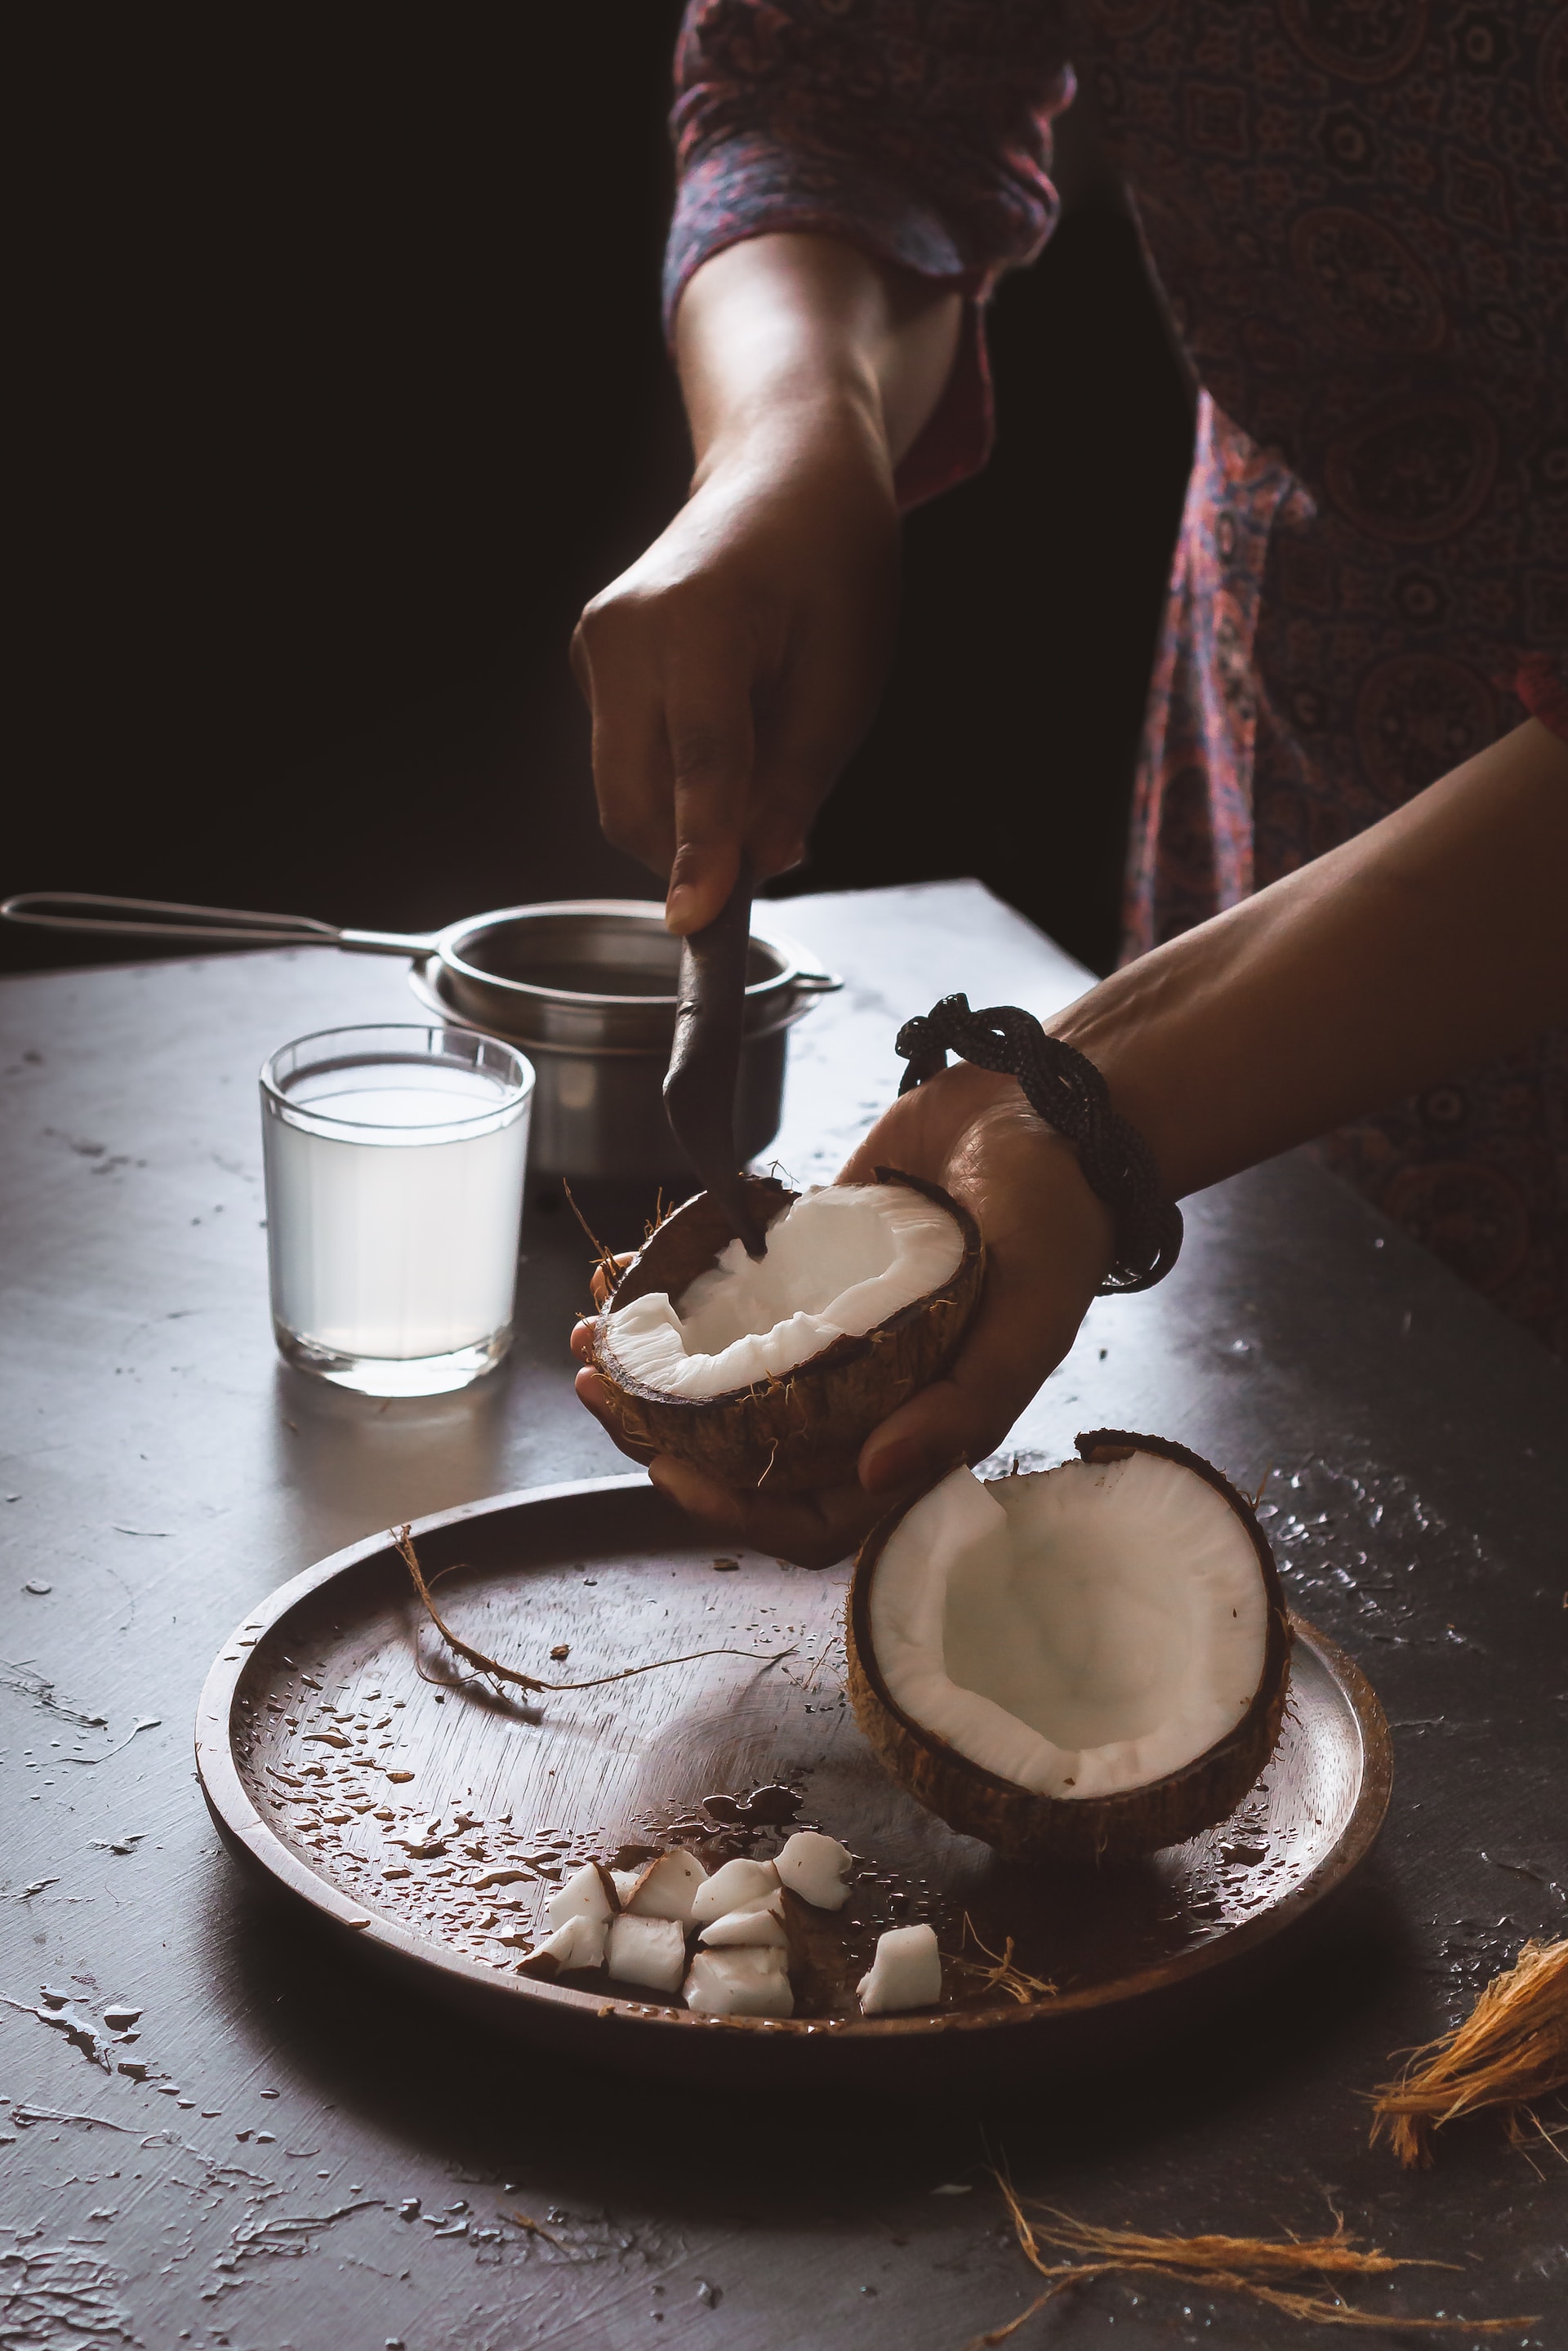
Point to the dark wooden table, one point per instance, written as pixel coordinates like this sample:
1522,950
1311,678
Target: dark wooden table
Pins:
161,1472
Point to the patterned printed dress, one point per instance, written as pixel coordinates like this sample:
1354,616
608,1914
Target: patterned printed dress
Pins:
1357,211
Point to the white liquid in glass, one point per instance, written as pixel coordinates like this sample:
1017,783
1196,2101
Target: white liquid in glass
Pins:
396,1234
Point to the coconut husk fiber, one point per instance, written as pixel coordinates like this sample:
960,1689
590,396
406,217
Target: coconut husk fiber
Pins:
1511,2053
496,1673
1297,2276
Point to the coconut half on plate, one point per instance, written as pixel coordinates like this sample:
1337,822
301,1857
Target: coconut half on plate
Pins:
1085,1663
778,1371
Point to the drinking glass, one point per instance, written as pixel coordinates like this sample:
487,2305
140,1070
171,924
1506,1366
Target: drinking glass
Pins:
395,1161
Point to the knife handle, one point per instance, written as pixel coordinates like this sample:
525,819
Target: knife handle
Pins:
705,1061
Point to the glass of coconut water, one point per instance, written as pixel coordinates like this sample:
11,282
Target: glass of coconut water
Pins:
394,1164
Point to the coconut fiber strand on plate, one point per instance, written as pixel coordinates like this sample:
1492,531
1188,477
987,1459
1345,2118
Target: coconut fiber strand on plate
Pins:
1511,2052
496,1672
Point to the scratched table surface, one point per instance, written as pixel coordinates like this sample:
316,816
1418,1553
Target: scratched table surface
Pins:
216,2130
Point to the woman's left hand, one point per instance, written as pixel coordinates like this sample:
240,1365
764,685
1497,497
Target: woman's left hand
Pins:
1048,1244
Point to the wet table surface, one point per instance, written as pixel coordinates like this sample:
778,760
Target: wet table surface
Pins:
161,1472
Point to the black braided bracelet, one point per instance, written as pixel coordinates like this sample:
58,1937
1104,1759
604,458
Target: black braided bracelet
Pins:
1069,1093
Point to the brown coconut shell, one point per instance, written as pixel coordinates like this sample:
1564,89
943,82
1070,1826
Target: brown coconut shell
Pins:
1025,1827
806,1429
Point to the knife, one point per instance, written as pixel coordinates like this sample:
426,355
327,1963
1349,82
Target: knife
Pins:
704,1060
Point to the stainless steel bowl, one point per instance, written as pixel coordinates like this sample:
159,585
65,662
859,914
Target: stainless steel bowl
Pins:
586,987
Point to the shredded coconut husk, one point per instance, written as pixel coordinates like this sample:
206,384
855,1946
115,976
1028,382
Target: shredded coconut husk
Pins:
1260,2268
997,1972
608,1265
1511,2052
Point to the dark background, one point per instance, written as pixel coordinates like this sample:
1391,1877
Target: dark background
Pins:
345,389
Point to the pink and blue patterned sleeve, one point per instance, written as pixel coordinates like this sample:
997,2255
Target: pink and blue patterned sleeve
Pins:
917,129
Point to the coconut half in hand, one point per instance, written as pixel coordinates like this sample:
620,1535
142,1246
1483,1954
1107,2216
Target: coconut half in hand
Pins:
1086,1663
779,1370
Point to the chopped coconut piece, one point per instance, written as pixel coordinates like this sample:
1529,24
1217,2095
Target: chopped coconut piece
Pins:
624,1881
665,1887
1080,1631
739,1983
584,1895
759,1927
906,1972
817,1868
839,1262
647,1951
578,1944
738,1886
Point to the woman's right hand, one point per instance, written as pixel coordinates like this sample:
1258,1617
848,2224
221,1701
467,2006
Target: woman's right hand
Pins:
732,668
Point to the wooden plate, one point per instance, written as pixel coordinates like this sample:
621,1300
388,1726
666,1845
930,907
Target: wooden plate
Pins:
347,1755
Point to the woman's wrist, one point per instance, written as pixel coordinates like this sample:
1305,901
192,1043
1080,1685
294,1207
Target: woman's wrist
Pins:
1126,1028
1020,1074
798,432
801,334
997,1133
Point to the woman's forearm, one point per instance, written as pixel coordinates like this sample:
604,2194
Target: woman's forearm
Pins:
785,330
733,666
1434,939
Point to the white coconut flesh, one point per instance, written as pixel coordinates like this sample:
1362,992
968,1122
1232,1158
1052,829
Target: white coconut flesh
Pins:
817,1868
584,1895
651,1952
760,1927
746,1983
906,1972
1080,1633
737,1886
839,1262
635,1923
665,1888
580,1943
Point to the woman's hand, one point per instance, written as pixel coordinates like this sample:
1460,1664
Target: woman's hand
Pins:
733,669
1048,1244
